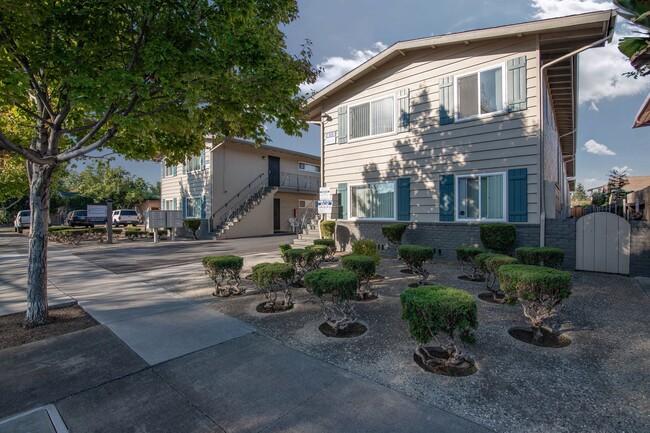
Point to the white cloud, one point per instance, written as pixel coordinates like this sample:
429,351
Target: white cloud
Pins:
592,182
335,67
592,146
601,69
622,169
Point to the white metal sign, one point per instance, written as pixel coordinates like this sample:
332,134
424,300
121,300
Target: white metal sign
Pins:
330,137
96,213
325,206
324,193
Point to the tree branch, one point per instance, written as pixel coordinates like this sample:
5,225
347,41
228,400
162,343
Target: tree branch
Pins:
32,114
29,154
79,151
97,126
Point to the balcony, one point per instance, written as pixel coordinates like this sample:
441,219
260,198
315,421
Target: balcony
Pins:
292,182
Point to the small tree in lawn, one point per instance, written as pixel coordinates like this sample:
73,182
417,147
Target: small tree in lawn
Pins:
336,290
302,260
466,256
434,310
274,278
223,271
415,257
319,252
489,264
331,247
540,291
364,268
142,78
327,229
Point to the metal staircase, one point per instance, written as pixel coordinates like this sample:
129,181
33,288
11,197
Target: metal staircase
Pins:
308,230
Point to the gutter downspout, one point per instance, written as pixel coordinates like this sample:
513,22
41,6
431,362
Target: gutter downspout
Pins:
322,155
542,70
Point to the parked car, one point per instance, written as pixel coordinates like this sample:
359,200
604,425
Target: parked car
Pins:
22,221
124,217
78,218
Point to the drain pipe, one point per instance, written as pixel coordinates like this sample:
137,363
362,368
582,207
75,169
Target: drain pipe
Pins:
542,202
321,123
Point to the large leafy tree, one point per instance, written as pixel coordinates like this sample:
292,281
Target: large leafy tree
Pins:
145,78
100,182
636,48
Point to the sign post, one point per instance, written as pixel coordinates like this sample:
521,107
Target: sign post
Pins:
325,201
109,221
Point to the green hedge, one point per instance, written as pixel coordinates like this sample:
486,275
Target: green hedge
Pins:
192,224
327,229
302,260
330,244
320,253
535,283
223,263
52,229
498,237
415,254
364,267
268,274
394,232
540,256
341,284
430,310
367,247
467,254
283,249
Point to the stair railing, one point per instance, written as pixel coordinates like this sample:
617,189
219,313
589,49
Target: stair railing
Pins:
226,209
244,205
307,214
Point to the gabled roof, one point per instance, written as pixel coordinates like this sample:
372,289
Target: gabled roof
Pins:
643,116
246,143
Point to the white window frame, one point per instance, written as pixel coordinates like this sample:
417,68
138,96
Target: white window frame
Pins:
302,204
308,164
370,101
169,170
168,204
475,176
191,159
189,203
351,218
477,72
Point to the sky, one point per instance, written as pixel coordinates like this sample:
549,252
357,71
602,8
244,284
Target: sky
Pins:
345,33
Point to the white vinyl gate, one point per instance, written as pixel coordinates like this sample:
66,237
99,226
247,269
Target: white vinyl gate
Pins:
603,243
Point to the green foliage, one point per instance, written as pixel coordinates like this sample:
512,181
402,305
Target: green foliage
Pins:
223,263
327,229
466,254
367,247
320,253
302,261
540,256
13,176
494,262
616,184
394,232
267,274
330,244
364,267
283,249
415,255
598,198
52,229
192,224
223,270
430,310
340,283
636,48
535,283
498,237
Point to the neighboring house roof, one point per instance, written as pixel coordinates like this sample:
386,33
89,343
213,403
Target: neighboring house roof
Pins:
643,116
557,37
636,183
238,141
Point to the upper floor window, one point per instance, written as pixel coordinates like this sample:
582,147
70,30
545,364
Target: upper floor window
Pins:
480,93
170,170
194,164
305,166
372,118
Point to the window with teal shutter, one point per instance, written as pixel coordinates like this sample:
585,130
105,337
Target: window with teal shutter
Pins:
446,100
203,160
404,110
518,195
516,79
174,170
343,125
184,199
203,206
343,200
404,199
446,195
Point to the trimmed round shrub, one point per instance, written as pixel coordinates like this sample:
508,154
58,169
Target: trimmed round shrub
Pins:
394,232
330,244
540,256
223,271
52,229
283,249
132,233
271,278
415,256
320,254
193,225
498,237
327,229
302,260
540,291
367,247
466,256
489,264
364,268
437,309
336,290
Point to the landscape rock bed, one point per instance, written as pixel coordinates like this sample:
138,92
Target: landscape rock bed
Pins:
598,383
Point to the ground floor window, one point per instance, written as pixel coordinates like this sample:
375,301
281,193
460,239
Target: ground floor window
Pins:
193,207
481,197
374,200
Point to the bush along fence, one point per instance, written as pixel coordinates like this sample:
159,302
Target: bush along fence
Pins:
336,290
271,279
466,256
540,291
434,310
540,256
367,247
415,257
394,232
489,264
498,237
327,229
224,271
364,268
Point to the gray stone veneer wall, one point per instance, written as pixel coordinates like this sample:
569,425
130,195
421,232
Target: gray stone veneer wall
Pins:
445,237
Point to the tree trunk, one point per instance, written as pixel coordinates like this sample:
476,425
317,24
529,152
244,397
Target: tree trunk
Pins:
39,202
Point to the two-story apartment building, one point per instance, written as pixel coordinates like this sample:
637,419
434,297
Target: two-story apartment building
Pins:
237,189
445,132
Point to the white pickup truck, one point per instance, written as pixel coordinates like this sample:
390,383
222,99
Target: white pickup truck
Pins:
124,217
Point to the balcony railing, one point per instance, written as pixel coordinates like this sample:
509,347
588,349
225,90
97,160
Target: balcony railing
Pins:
299,182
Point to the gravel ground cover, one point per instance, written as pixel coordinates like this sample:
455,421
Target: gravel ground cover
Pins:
599,383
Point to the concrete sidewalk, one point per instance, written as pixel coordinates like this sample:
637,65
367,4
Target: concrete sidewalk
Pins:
160,363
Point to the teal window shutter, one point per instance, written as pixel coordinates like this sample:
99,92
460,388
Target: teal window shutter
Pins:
343,124
184,206
185,166
403,110
203,206
404,199
446,100
174,168
175,204
446,195
343,200
203,160
518,195
516,82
